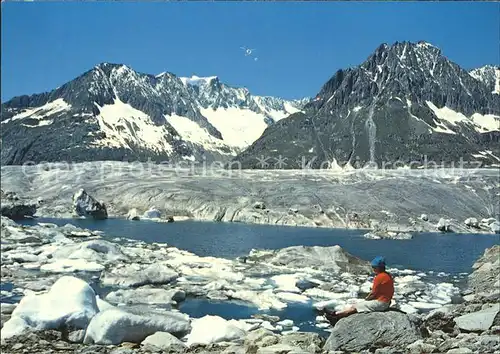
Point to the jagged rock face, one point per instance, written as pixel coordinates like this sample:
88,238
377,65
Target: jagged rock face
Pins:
489,75
486,275
405,102
85,205
112,112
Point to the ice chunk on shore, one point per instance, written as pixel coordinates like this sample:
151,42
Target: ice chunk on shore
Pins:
131,275
103,305
213,329
70,302
115,326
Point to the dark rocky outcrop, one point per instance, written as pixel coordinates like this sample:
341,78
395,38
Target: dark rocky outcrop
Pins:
373,330
85,205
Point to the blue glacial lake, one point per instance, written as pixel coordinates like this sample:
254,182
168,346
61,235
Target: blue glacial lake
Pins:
449,253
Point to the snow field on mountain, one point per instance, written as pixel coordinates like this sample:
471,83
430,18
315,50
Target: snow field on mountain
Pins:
482,123
124,124
192,132
239,127
41,112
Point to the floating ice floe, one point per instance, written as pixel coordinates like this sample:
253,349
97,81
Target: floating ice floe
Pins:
286,282
292,297
264,300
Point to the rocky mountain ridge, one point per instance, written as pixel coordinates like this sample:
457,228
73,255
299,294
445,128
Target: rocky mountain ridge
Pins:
112,112
405,103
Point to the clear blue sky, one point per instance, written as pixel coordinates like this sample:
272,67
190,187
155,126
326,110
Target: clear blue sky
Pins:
299,44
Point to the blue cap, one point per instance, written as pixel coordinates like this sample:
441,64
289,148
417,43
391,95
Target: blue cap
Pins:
378,261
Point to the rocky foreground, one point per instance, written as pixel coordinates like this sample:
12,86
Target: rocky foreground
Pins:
391,203
123,296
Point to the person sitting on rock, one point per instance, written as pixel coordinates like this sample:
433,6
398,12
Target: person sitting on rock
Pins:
378,300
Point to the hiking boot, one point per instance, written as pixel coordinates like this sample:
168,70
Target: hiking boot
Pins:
332,318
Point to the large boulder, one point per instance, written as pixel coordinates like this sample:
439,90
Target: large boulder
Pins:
440,319
332,259
260,338
115,326
214,329
70,303
133,214
280,349
309,342
373,330
164,341
443,225
478,321
472,222
152,213
86,206
419,347
132,275
487,222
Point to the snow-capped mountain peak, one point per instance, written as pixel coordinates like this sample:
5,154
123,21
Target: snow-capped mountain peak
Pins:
114,112
197,81
405,101
424,44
